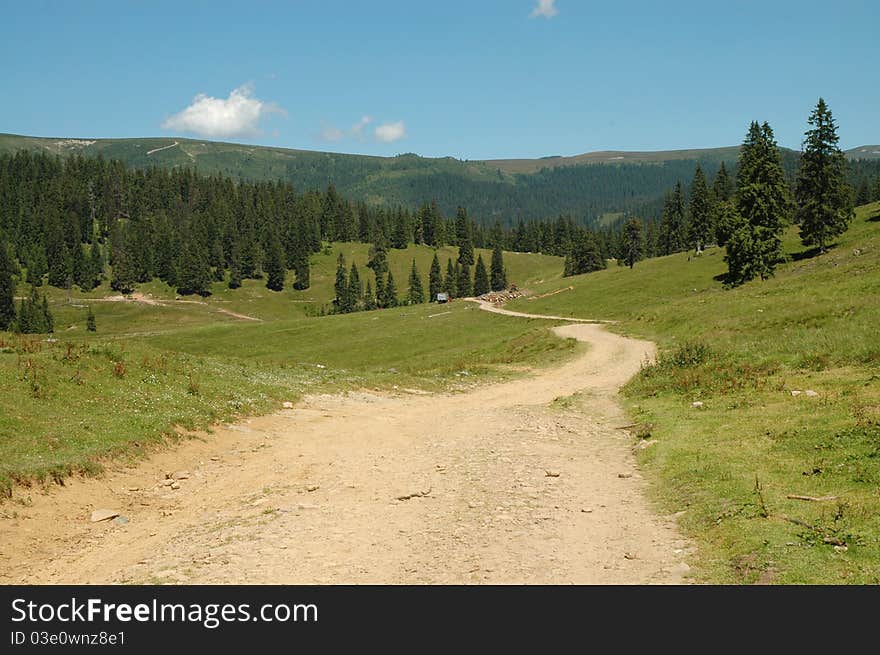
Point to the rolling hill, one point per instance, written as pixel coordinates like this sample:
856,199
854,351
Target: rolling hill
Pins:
588,186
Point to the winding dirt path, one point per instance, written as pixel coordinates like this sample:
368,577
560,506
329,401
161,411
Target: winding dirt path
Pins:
497,485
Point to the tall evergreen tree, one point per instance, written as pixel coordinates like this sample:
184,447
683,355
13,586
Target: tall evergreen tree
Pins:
391,292
369,298
481,278
302,268
124,278
7,289
450,281
355,288
340,286
464,287
416,293
633,244
497,274
378,257
194,271
96,267
275,267
726,220
763,203
34,316
585,255
463,237
234,268
48,320
722,186
700,228
824,199
435,279
672,223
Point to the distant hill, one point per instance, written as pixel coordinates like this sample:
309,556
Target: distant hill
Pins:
864,152
589,186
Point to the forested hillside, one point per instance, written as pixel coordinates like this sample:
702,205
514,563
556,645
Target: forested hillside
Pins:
587,187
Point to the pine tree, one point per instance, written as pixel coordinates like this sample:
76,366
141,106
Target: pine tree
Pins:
35,262
464,287
416,293
218,262
585,256
463,237
341,301
722,185
369,298
435,279
762,201
194,271
700,228
124,278
355,289
79,268
672,223
96,267
61,269
391,292
378,257
275,267
633,244
91,325
402,232
302,269
497,274
450,281
651,238
7,289
234,268
726,220
481,278
34,316
824,199
48,320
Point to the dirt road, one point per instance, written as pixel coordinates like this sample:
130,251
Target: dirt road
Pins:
497,485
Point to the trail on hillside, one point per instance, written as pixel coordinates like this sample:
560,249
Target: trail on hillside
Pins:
154,150
142,299
507,483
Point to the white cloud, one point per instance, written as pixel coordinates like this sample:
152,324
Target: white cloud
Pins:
357,129
390,132
238,115
544,9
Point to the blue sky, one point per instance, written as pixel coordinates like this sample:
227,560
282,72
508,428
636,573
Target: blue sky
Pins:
474,80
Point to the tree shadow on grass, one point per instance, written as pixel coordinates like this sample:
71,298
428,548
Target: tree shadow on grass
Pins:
810,253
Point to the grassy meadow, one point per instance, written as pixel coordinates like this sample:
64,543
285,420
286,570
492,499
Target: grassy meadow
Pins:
153,371
731,465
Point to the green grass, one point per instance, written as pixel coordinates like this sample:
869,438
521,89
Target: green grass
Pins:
816,326
67,404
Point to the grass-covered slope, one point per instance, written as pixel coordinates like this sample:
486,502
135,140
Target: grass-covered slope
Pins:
68,402
731,465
